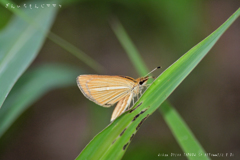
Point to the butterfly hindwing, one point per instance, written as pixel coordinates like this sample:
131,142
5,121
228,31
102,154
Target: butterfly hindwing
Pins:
121,106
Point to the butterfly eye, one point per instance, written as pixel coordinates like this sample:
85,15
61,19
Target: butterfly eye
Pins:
142,82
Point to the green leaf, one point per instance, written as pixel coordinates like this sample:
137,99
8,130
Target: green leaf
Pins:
129,47
76,52
32,86
57,39
20,43
113,141
180,130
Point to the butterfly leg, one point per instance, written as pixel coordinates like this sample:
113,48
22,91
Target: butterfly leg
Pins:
133,101
132,104
147,85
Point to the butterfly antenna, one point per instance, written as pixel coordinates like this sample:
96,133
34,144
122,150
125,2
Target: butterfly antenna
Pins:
153,71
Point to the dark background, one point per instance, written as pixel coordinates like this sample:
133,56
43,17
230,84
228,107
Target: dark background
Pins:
60,124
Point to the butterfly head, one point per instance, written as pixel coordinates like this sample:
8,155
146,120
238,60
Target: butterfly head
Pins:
143,80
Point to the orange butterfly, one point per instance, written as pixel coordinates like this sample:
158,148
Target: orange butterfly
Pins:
108,90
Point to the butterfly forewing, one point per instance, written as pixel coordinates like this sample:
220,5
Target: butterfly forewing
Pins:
105,90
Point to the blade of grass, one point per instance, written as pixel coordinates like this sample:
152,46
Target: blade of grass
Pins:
113,141
20,43
180,130
76,52
59,41
32,86
190,144
129,47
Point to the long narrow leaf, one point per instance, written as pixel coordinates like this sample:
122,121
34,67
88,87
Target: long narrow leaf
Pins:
76,52
57,39
20,42
113,141
189,144
181,132
31,86
129,47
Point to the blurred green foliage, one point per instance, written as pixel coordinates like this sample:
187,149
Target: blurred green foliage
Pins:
20,46
162,32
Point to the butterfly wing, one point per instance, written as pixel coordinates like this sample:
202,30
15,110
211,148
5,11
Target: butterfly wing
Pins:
122,106
105,90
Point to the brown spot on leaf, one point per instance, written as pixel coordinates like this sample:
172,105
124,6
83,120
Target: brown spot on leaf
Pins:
122,132
125,146
139,125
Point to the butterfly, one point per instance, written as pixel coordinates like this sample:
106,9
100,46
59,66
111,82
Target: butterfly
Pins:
106,90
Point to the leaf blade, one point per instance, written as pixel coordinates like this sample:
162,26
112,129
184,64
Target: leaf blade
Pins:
32,86
129,47
20,46
111,140
170,115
